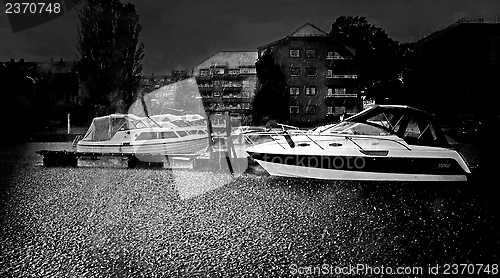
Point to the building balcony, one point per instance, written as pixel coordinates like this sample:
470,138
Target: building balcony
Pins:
336,56
232,97
339,58
204,88
342,76
231,88
341,101
230,109
342,95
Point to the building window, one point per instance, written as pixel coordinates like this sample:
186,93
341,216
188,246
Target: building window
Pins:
294,71
294,109
204,72
216,94
310,109
294,91
246,105
294,53
310,91
340,91
310,53
246,70
339,110
329,74
219,71
329,55
234,71
329,110
246,94
311,72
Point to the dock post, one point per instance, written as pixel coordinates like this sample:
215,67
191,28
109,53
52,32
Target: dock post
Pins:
59,158
69,123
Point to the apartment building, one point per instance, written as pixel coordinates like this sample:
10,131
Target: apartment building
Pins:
226,81
320,75
457,69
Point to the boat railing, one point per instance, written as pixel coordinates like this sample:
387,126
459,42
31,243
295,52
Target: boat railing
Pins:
283,126
288,135
263,133
77,139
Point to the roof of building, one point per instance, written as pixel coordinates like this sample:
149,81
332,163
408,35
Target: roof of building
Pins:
305,31
230,59
460,23
308,30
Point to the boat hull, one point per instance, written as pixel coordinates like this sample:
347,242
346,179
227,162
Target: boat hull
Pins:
339,159
163,147
285,170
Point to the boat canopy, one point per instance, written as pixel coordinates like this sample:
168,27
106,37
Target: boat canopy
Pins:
415,126
104,128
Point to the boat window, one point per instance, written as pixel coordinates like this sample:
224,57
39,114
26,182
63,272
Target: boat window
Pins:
146,136
168,134
138,124
357,129
199,122
182,133
412,129
388,120
118,124
363,129
336,128
180,123
124,126
421,131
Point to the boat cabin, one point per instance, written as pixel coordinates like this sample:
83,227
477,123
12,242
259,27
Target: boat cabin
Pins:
105,127
413,125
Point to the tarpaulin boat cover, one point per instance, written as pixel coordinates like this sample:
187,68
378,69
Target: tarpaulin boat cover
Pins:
104,128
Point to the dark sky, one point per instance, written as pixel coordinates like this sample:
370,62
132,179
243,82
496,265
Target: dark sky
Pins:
178,34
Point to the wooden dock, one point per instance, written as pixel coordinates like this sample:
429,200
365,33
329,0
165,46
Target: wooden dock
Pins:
220,155
217,159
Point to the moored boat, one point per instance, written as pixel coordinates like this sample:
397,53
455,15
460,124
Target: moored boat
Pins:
383,142
129,134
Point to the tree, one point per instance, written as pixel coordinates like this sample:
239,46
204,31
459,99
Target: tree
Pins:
110,55
381,60
270,101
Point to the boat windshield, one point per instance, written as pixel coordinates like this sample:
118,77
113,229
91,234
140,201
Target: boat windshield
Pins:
142,123
181,123
415,126
353,128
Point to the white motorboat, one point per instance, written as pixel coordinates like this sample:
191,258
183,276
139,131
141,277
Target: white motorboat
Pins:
129,134
383,142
